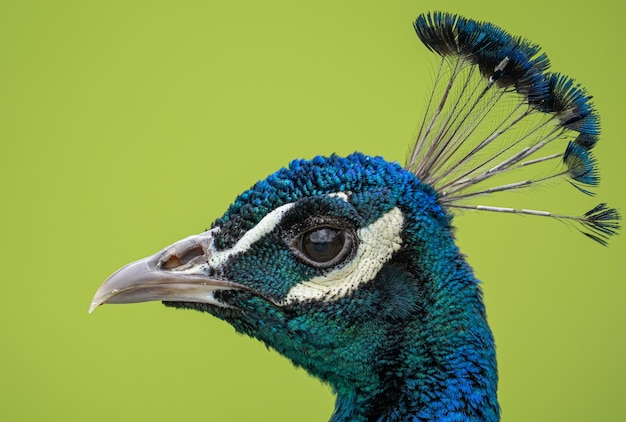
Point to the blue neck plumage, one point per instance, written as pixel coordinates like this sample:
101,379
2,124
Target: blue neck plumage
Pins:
441,363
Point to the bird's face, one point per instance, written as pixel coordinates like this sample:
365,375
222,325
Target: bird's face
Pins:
312,261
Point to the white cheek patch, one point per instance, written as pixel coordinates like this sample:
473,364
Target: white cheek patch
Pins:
265,226
378,242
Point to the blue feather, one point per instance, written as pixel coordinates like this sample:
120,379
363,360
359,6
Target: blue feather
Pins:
581,165
571,104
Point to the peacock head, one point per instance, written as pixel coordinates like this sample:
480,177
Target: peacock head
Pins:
323,261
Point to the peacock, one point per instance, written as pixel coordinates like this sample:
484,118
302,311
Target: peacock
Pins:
348,266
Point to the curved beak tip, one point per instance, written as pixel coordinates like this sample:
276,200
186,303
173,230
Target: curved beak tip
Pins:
93,306
99,298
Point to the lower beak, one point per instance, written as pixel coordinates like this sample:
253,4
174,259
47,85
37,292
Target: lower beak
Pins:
178,273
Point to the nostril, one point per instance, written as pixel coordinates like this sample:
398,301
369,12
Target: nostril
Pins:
175,261
172,262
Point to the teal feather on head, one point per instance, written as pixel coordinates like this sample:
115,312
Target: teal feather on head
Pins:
348,266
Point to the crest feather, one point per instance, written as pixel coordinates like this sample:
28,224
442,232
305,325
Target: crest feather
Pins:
497,120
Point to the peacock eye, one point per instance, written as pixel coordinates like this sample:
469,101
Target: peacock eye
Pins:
324,246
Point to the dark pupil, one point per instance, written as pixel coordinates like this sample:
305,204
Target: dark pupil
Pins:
322,245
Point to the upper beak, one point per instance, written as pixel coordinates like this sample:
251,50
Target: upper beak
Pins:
177,273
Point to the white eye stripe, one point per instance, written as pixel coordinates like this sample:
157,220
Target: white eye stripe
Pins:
377,243
265,226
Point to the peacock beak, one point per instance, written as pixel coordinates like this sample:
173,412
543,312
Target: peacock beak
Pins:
176,273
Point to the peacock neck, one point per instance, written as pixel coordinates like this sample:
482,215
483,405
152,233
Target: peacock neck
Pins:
444,365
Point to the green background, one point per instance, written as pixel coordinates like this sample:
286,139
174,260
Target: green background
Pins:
125,126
